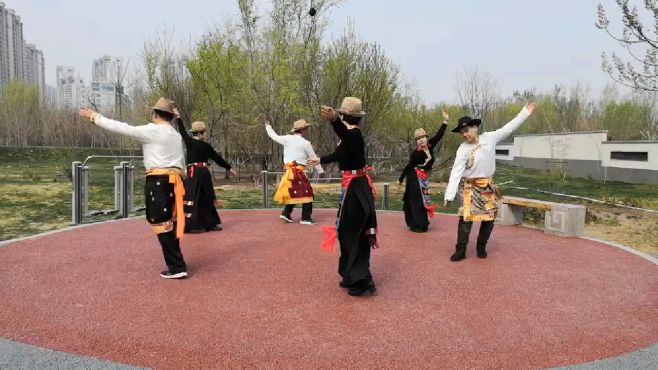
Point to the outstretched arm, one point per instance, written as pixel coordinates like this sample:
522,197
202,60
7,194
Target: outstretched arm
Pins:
330,114
212,154
329,158
141,133
439,134
277,138
182,131
505,131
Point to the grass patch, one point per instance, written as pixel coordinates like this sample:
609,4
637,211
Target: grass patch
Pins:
35,194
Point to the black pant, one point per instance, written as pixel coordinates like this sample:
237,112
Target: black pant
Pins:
160,203
464,230
171,251
307,209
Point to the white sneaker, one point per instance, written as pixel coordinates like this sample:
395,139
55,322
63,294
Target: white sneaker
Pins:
286,218
310,221
171,275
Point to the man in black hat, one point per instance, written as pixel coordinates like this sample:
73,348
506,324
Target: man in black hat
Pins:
471,178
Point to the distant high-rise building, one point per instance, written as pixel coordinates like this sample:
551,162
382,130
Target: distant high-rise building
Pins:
107,72
34,69
71,90
15,44
107,69
4,44
18,61
50,96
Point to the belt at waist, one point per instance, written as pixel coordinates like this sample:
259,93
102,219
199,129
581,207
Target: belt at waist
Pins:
360,172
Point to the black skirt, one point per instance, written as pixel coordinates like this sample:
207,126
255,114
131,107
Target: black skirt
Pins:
357,219
415,213
200,211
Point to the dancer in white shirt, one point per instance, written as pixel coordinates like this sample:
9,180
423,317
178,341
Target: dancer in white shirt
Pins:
471,177
164,161
294,187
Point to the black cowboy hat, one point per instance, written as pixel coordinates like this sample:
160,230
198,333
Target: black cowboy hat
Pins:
466,121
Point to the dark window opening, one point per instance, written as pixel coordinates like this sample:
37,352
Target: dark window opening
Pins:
630,156
502,151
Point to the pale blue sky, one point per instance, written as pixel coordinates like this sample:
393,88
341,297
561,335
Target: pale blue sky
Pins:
522,44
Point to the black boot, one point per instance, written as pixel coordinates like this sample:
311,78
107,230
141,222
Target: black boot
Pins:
482,250
483,237
363,288
463,231
460,253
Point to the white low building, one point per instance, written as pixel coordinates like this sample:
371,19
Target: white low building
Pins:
584,154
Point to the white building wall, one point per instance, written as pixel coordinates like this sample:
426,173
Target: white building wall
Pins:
649,147
575,146
501,148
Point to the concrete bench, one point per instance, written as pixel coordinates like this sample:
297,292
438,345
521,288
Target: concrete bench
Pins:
560,219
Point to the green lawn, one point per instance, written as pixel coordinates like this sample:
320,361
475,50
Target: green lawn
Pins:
35,189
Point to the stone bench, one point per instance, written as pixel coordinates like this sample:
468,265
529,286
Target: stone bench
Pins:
560,219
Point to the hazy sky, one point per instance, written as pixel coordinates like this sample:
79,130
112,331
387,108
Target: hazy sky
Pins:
522,44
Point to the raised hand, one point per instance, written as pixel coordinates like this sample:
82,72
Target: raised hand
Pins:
446,115
86,112
232,172
267,123
328,113
531,107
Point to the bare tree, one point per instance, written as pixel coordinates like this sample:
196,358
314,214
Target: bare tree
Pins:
477,91
641,71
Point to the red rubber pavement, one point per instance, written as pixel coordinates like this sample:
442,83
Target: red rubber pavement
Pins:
263,295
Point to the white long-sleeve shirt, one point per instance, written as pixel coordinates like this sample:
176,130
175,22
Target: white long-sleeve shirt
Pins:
162,145
484,158
295,148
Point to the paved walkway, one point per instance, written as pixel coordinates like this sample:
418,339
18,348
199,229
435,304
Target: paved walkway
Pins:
258,299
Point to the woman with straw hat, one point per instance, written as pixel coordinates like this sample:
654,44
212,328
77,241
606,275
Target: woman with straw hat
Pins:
471,177
294,187
163,191
356,223
417,203
200,200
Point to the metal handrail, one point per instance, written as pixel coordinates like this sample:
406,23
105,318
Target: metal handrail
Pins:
110,156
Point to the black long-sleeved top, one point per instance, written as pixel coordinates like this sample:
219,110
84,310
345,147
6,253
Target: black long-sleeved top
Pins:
418,157
197,150
351,151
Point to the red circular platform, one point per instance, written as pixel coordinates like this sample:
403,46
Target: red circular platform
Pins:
263,295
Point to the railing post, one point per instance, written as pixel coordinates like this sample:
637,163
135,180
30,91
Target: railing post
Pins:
266,195
123,188
118,178
76,209
126,196
385,197
80,195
